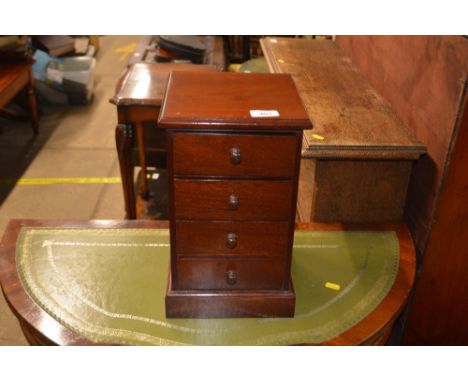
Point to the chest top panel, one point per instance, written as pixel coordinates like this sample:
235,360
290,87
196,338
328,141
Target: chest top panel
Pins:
213,100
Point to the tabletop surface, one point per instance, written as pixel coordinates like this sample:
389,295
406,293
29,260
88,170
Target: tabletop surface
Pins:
144,84
11,71
248,101
350,118
33,317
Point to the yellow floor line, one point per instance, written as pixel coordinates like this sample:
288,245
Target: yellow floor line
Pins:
42,181
126,50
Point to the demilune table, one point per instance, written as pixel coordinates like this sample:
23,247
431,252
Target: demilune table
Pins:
40,328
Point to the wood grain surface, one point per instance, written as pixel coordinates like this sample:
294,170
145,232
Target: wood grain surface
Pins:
360,191
438,314
259,303
227,100
199,238
209,200
212,274
350,118
210,155
425,80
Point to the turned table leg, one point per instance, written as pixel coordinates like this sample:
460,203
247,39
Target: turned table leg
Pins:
124,140
32,103
142,158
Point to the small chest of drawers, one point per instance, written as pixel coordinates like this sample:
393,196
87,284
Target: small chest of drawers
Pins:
234,145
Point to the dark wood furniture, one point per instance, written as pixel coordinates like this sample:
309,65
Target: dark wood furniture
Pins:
357,161
425,79
138,99
41,329
233,176
438,314
240,49
14,77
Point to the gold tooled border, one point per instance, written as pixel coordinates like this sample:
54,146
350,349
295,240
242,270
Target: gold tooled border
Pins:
100,333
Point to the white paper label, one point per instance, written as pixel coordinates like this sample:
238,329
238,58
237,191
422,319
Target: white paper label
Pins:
273,40
264,113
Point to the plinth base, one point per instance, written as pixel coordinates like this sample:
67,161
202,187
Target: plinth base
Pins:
225,303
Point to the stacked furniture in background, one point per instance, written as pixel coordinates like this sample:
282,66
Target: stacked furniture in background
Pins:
180,49
148,51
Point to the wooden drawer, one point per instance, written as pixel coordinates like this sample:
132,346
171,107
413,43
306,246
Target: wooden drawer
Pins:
234,155
200,238
228,274
233,200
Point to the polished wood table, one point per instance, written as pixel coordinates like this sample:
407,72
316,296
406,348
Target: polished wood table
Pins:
14,77
357,159
41,329
138,98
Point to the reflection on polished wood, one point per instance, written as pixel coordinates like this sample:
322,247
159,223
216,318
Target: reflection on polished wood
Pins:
41,329
145,84
15,76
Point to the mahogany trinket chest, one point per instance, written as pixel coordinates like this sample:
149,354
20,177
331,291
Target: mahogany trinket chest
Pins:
234,144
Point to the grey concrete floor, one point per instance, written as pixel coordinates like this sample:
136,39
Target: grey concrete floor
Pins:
73,141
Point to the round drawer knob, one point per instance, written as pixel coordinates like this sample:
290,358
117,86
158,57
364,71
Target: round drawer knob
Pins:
233,202
236,156
231,240
231,276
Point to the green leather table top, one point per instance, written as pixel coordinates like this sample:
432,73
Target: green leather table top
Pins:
108,285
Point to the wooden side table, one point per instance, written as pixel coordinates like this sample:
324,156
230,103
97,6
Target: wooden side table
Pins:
41,329
138,98
15,76
357,160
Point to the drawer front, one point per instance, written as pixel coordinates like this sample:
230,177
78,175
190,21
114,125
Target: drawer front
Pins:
234,155
233,200
200,238
230,274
